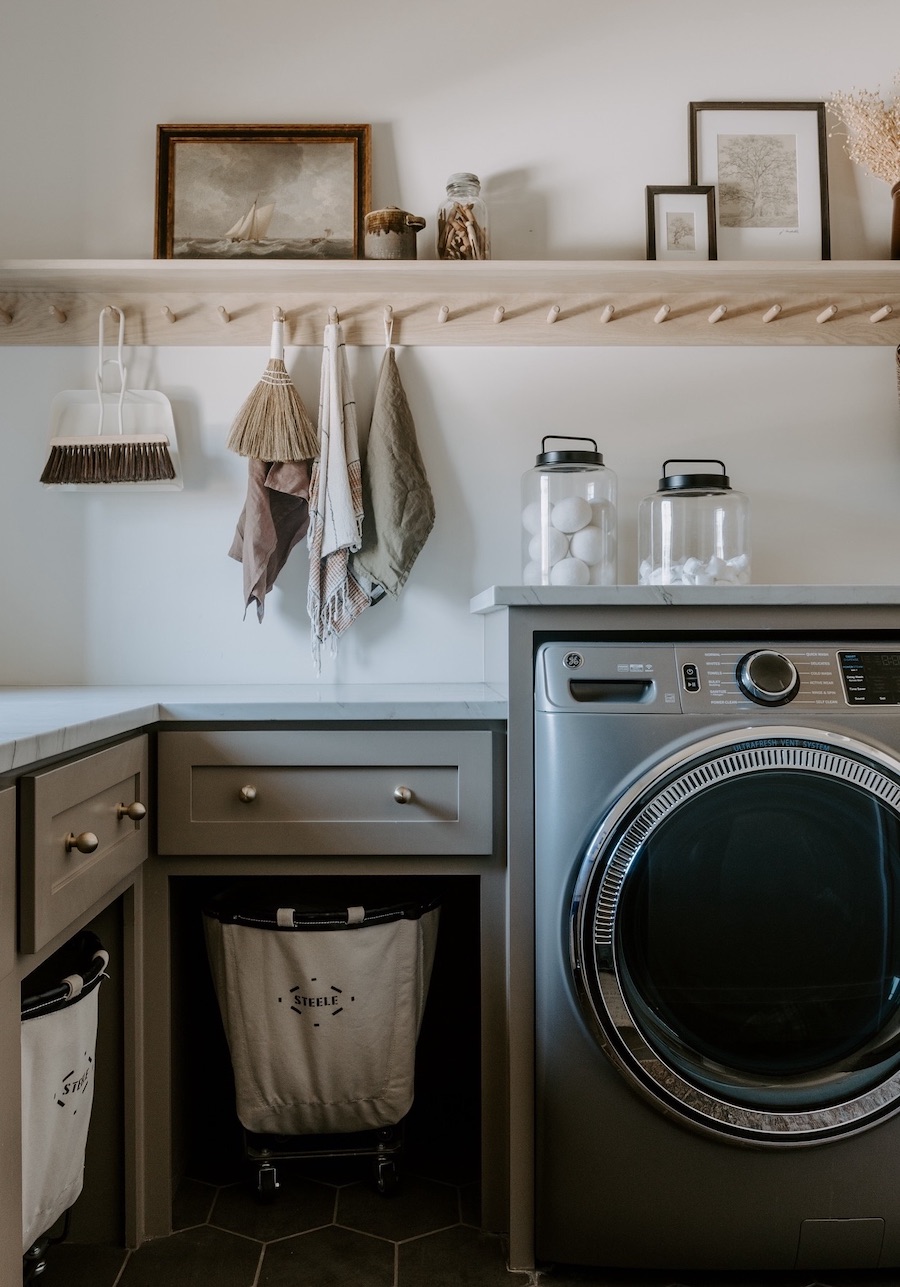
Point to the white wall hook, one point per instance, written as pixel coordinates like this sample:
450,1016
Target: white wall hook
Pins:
499,313
333,316
607,314
224,313
718,313
827,313
167,313
662,313
277,313
880,314
553,314
57,313
772,313
388,326
444,313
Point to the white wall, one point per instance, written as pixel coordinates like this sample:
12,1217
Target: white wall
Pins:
567,111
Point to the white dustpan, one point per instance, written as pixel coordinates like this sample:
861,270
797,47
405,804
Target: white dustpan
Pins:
127,419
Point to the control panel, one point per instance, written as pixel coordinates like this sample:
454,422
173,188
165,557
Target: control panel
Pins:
708,677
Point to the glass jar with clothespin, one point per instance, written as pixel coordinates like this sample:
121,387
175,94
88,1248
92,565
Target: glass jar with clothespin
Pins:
462,221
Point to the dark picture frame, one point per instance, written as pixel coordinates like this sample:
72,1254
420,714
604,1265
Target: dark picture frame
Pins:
261,191
768,163
681,222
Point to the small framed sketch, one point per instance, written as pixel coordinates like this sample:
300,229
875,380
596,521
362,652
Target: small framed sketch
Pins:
681,222
261,191
768,164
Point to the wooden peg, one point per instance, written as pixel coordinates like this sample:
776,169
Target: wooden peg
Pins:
772,313
333,316
553,314
827,313
607,314
57,313
444,313
718,313
499,313
880,314
167,313
662,313
278,314
224,313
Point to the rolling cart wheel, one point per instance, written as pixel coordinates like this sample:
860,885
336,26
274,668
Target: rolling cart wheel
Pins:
267,1185
34,1262
387,1177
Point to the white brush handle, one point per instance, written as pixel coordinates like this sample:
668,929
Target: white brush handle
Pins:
116,362
277,349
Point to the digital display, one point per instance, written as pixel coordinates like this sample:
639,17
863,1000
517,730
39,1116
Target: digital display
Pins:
871,678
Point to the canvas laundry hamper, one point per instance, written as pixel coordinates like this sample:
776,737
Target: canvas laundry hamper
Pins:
322,1002
59,1036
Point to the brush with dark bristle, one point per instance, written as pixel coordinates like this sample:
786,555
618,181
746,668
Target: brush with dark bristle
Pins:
107,458
273,423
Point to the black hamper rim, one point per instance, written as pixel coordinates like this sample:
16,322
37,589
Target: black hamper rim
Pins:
84,958
258,906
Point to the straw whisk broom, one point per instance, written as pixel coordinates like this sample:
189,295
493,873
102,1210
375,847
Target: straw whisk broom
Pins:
109,458
273,423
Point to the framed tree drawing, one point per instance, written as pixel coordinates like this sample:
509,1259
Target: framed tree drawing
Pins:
768,164
681,222
261,191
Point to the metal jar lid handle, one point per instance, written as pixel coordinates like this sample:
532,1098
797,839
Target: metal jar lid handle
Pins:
562,437
682,460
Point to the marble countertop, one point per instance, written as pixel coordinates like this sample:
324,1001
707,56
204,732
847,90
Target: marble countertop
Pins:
37,723
556,596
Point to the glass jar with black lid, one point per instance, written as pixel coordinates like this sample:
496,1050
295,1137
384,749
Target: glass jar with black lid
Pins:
569,528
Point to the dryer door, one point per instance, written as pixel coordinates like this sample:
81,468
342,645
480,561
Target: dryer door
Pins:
736,935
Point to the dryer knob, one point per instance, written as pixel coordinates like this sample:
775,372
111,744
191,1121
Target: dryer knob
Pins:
767,677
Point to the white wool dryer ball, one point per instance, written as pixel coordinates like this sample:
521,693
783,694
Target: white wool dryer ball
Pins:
570,572
531,517
557,546
587,543
571,514
531,574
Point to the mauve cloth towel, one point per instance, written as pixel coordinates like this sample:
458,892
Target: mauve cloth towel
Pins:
274,518
397,498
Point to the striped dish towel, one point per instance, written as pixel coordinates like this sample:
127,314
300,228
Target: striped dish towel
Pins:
334,598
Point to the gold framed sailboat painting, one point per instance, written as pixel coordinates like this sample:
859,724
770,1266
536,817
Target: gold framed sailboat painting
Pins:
261,191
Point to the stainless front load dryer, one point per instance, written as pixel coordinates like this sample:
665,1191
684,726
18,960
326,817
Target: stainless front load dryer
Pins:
717,903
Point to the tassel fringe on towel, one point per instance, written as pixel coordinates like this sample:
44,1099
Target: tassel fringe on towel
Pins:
334,598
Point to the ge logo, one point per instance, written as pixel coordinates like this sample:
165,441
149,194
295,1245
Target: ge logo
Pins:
573,660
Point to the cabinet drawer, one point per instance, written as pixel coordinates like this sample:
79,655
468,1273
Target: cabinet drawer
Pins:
326,792
7,880
77,840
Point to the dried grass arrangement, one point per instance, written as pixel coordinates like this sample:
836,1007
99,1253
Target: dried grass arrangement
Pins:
873,140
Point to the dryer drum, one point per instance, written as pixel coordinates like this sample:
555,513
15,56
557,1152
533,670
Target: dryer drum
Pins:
735,935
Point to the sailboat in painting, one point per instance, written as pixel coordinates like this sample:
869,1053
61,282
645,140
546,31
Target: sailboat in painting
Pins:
248,238
253,225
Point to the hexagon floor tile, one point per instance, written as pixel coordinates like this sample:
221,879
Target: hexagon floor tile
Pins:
344,1234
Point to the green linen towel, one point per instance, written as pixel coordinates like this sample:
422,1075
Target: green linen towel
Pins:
397,498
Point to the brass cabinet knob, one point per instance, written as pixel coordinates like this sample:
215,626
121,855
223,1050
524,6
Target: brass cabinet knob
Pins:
135,811
402,794
86,843
248,793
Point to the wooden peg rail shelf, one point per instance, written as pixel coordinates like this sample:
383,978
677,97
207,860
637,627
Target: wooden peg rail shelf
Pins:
501,302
